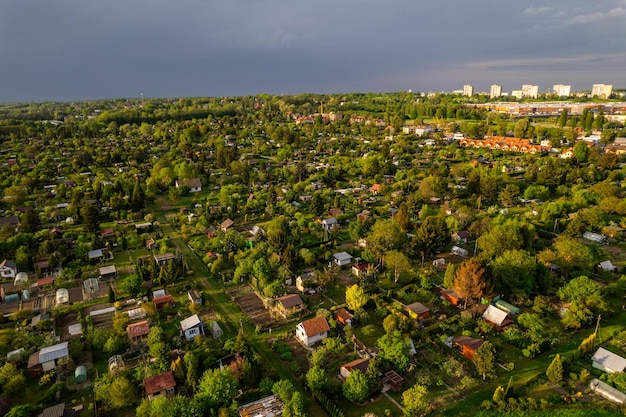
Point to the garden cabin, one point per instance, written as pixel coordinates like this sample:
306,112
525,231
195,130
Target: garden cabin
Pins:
461,236
138,332
289,304
450,295
194,297
192,327
344,317
163,301
160,385
467,345
342,258
108,273
312,331
355,365
497,318
608,361
47,359
161,258
194,184
226,224
58,410
417,311
361,268
329,224
607,266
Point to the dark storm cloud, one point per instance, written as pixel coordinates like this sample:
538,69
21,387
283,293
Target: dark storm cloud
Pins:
76,49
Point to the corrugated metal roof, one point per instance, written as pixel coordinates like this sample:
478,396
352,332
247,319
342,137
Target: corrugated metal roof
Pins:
609,360
190,322
494,315
54,352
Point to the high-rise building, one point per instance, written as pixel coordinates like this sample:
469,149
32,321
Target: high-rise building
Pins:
468,90
601,90
561,90
496,91
531,91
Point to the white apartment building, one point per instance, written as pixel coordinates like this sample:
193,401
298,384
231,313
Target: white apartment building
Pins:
601,90
562,90
517,93
496,91
468,90
531,91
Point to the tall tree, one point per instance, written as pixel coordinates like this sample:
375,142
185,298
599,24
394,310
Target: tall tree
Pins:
581,151
485,360
384,237
356,297
402,217
397,262
469,281
416,401
356,387
555,370
216,388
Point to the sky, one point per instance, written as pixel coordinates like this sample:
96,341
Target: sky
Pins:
66,50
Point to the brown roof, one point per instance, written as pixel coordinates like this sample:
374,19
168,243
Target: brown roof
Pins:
343,314
138,329
108,231
168,298
45,281
158,383
290,300
192,182
357,364
315,326
418,308
469,341
226,224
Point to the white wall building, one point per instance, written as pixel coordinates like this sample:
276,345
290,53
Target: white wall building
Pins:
496,91
601,90
562,90
530,91
468,90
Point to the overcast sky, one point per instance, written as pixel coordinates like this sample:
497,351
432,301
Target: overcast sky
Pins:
90,49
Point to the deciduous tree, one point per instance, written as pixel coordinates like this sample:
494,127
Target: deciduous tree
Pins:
356,387
416,400
485,360
469,281
356,297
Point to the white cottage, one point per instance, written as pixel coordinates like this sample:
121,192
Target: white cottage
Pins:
608,361
312,331
342,258
192,327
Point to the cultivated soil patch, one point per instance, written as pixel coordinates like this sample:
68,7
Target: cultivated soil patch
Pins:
250,303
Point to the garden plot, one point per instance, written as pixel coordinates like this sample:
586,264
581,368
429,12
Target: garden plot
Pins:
250,303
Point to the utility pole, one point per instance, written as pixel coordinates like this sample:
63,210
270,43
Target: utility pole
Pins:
598,327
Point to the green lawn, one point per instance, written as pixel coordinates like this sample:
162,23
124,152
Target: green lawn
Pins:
378,407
